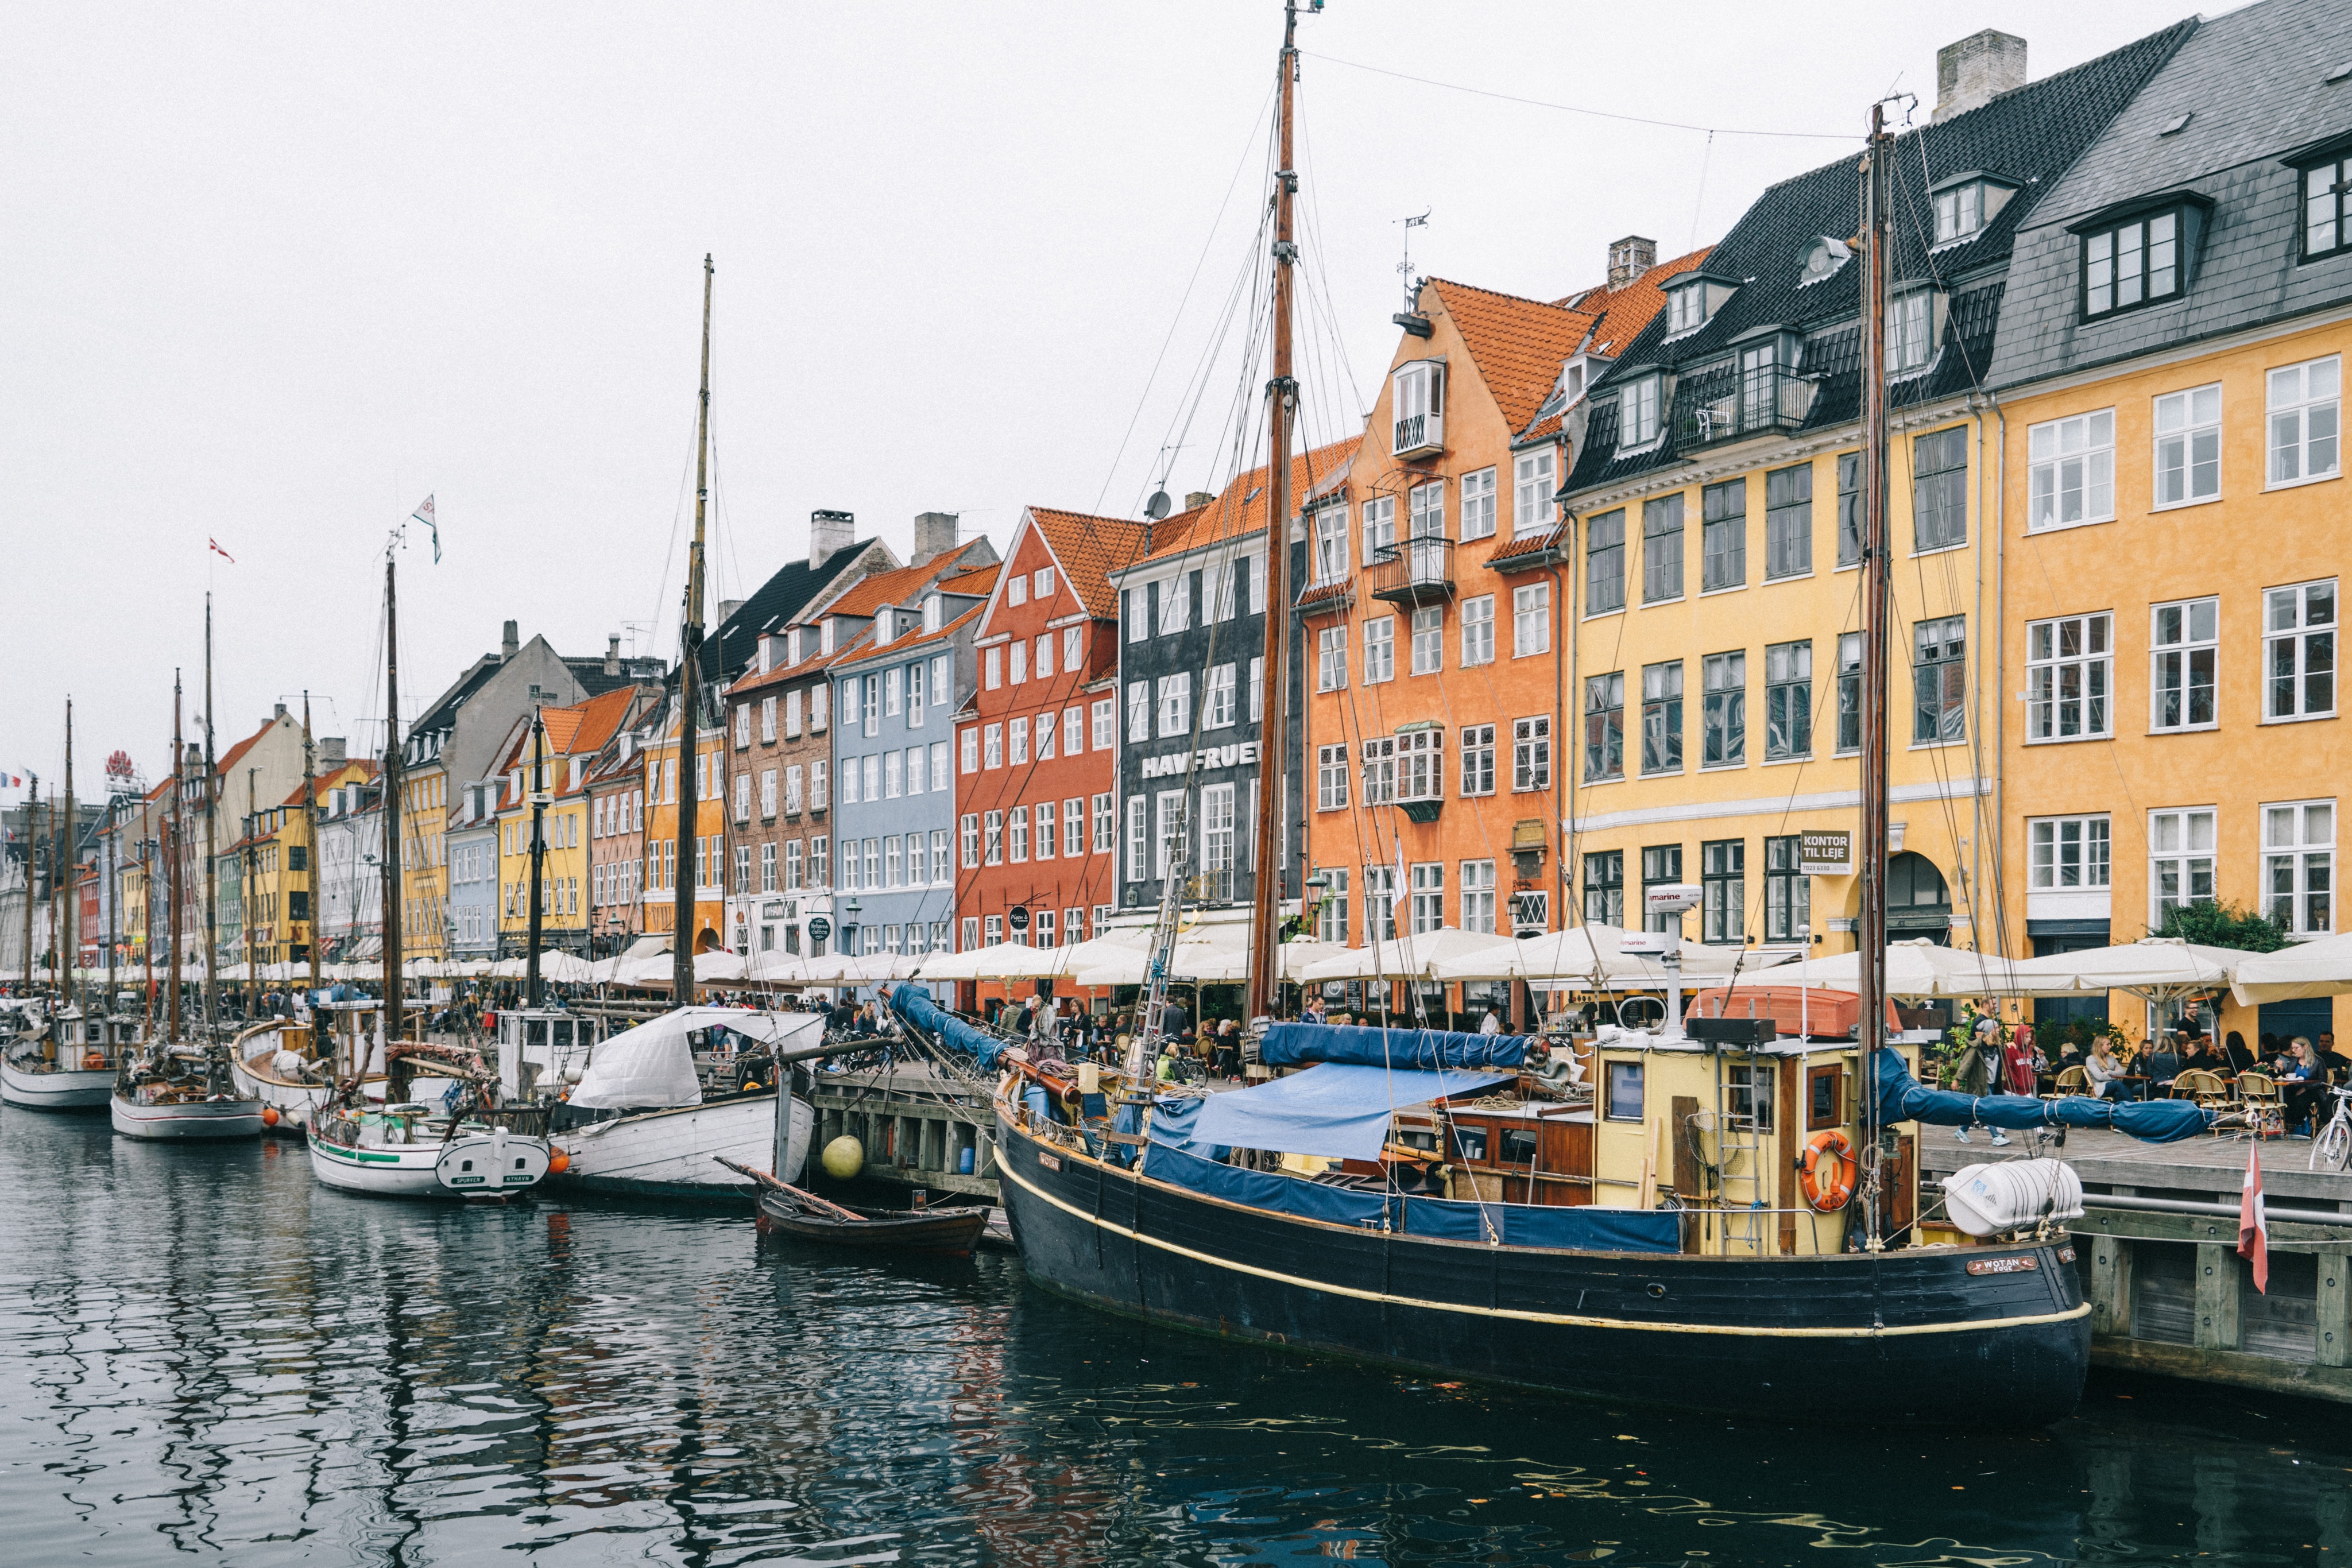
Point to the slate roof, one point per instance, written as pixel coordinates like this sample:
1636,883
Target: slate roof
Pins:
2029,135
1091,548
2252,83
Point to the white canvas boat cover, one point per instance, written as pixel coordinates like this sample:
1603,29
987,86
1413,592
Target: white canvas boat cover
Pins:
653,1064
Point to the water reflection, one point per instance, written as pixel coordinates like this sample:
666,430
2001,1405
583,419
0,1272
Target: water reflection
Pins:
209,1355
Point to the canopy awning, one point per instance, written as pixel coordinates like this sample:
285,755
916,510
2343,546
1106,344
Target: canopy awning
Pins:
2322,968
2160,968
653,1064
1335,1110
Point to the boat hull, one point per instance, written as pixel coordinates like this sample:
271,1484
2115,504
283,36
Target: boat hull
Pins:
675,1154
1904,1336
187,1121
78,1090
472,1164
953,1232
297,1104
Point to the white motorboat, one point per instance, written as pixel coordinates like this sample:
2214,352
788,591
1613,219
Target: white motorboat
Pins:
291,1070
68,1062
643,1122
180,1094
412,1148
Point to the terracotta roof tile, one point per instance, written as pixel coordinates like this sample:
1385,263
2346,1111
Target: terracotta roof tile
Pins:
1518,345
236,754
1090,549
864,648
1239,510
897,586
1621,313
979,584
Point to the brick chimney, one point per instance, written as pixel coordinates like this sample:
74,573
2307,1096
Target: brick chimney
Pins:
1629,258
611,655
508,646
829,531
1195,499
331,751
1974,71
935,535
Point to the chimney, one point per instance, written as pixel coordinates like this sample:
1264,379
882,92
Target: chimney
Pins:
727,608
935,535
1195,499
279,714
1976,70
829,531
1629,258
331,751
508,646
611,655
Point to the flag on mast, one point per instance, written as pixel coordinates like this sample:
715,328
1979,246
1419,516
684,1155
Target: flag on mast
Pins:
424,513
220,552
2253,1225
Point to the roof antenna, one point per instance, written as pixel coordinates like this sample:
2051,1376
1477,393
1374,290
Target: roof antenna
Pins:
1405,268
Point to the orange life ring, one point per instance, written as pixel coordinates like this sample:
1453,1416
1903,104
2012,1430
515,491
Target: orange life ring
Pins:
1829,1170
94,1059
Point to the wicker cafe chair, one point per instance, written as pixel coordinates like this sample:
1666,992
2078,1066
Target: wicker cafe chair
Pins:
2266,1108
2207,1088
2070,1080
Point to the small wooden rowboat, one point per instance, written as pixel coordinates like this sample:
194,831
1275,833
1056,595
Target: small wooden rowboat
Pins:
786,1209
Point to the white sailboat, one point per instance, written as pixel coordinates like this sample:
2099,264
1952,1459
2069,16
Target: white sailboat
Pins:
66,1063
639,1124
281,1063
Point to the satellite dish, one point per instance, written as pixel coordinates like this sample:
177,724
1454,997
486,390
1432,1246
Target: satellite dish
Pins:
1156,508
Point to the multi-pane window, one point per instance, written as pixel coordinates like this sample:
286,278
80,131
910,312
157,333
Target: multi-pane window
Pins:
1217,841
1379,769
1045,814
1477,759
1425,507
2189,446
1331,777
1788,892
1604,562
1637,413
2298,865
1074,827
1531,753
1137,870
1331,544
2067,853
2071,471
1723,535
1104,806
1531,621
1331,910
1910,331
1421,765
1939,679
1175,603
2304,403
2327,212
1662,549
2070,673
2299,651
1218,708
1723,717
993,843
2136,263
1849,509
1849,691
2184,642
2179,861
820,862
1478,505
1020,746
1176,704
1478,631
1787,701
1380,649
1331,659
1939,488
1428,910
1222,585
1959,211
1723,874
1530,914
1788,521
1074,731
1662,717
1380,528
992,747
1662,866
1105,718
793,853
1604,888
1478,896
1533,479
1604,726
1428,639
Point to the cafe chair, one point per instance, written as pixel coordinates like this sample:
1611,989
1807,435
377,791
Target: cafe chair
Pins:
2266,1107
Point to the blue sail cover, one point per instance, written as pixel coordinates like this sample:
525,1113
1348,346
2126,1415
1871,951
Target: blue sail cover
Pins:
1902,1098
915,1005
1337,1109
1296,1044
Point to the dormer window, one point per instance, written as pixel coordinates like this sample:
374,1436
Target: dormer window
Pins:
2326,207
1637,412
1686,308
824,634
1417,408
886,626
1823,258
1911,330
2141,253
1965,203
932,604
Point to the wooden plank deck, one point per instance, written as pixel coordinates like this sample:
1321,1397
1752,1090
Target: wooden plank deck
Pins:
2208,1168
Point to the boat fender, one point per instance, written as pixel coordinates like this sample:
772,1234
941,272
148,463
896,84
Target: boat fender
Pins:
1829,1170
558,1161
94,1059
269,1116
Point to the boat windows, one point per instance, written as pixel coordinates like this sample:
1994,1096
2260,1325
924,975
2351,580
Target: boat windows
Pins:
1472,1142
1823,1098
1624,1091
1749,1091
1519,1146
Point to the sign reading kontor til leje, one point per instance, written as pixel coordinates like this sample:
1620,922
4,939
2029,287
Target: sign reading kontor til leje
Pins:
1827,851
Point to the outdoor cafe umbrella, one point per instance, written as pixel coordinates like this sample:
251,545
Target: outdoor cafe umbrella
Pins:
1918,967
1585,955
2160,968
2322,968
1208,963
1409,957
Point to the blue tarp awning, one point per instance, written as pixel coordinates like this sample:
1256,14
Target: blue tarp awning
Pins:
1335,1110
1294,1044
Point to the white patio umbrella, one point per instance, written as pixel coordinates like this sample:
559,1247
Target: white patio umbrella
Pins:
1405,959
775,969
2160,968
1002,961
719,966
1589,956
1922,969
563,968
2316,968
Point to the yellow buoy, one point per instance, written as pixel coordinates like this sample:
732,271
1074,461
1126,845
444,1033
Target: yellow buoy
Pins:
845,1158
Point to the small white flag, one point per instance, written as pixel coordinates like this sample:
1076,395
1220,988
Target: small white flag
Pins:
424,513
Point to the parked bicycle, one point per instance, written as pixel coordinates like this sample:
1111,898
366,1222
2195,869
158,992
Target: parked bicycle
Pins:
2333,1147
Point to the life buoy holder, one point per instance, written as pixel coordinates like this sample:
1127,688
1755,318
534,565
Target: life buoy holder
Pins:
1829,1170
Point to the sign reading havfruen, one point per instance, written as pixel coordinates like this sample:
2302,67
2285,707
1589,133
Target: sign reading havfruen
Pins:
1827,851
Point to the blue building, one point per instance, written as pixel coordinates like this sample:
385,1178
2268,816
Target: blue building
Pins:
894,769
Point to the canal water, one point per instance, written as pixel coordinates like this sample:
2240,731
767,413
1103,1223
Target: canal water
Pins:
205,1356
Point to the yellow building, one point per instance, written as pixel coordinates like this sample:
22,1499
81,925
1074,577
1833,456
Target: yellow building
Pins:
2172,514
544,769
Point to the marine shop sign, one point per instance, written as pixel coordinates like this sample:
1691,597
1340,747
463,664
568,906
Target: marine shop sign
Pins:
1241,754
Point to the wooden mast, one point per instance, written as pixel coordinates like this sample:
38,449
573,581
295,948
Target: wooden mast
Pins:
69,942
1282,404
538,854
689,696
172,851
1871,852
32,854
310,834
390,921
212,842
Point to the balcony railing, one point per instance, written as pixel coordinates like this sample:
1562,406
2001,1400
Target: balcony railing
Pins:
1412,571
1418,433
1757,404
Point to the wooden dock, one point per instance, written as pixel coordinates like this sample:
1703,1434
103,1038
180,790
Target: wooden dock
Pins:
2169,1292
915,1127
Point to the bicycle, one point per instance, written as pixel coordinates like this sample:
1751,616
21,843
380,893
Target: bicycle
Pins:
2333,1146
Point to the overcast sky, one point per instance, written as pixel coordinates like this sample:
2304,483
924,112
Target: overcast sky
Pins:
275,272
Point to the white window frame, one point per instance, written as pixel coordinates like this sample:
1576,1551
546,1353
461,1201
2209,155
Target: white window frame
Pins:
1428,639
2070,854
1426,880
1638,422
1477,898
2071,472
1380,528
1910,332
2173,846
1331,778
1530,619
1174,704
1176,603
1218,704
1139,711
2172,661
2295,400
2298,865
1533,477
1531,757
2070,681
1478,631
2187,452
1330,544
1478,505
1106,823
1478,750
1380,649
2296,638
1105,718
1421,765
